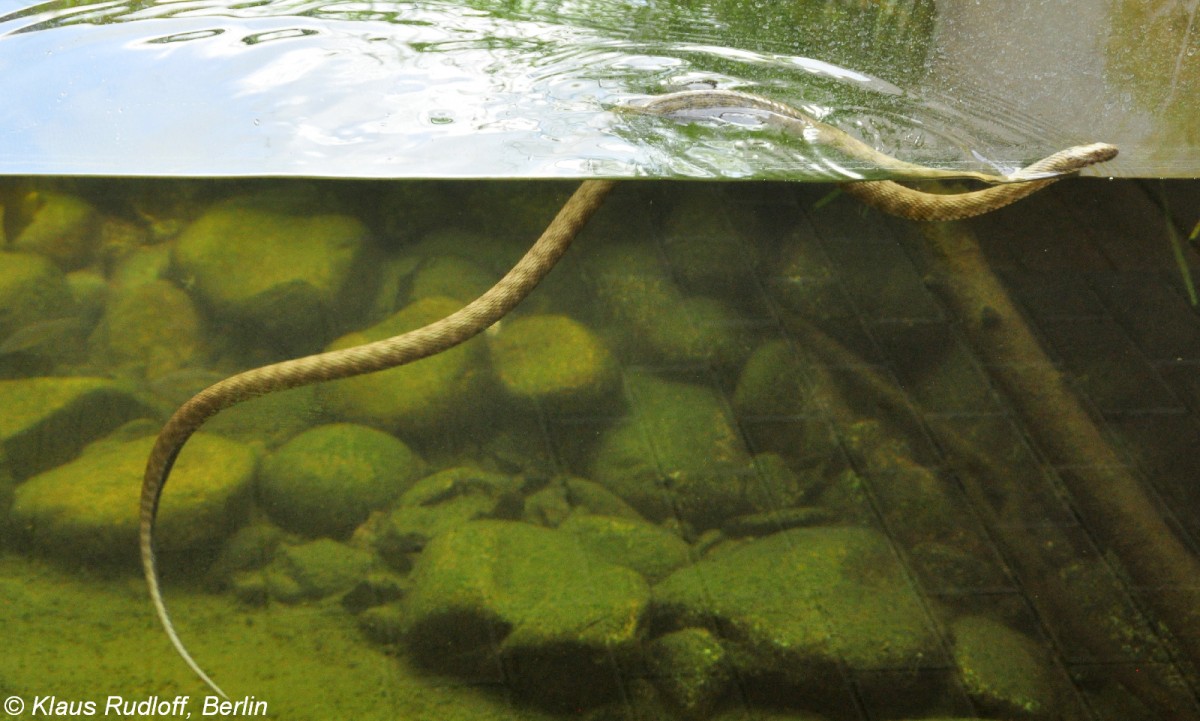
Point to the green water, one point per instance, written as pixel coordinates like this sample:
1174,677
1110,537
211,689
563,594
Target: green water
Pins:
675,483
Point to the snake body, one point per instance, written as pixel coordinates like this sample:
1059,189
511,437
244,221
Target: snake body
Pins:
886,195
536,263
434,338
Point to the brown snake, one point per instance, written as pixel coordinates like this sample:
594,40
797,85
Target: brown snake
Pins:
533,267
885,195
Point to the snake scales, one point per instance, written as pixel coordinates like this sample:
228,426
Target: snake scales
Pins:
533,267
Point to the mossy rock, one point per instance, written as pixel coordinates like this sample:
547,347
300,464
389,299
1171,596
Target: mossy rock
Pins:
154,328
654,321
1001,669
46,421
89,507
316,570
441,502
271,419
704,247
420,398
690,668
62,227
772,384
805,602
553,360
450,276
677,453
325,481
32,290
566,495
698,331
650,550
274,269
555,614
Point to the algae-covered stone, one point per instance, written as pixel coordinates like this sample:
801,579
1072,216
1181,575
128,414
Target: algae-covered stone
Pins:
690,668
419,398
270,419
677,453
153,327
450,276
655,321
650,550
46,421
554,614
772,383
440,502
272,267
554,360
62,228
32,290
564,495
316,569
702,244
1001,669
326,480
89,507
699,331
805,601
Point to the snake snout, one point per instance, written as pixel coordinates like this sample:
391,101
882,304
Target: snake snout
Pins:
1100,152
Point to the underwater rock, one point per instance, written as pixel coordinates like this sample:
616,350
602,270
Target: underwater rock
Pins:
32,290
327,480
777,488
776,401
378,588
152,327
61,227
806,284
440,502
315,570
46,421
1001,669
650,550
90,290
88,508
553,504
250,547
275,269
652,318
451,276
676,453
270,419
553,614
768,522
145,264
772,383
917,503
418,399
803,603
382,624
690,669
699,331
703,246
555,361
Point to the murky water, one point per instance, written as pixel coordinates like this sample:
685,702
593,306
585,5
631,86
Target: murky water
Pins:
740,455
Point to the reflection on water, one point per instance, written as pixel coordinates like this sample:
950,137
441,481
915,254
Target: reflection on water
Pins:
439,89
743,455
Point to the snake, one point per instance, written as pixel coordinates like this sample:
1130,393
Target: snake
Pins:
510,290
886,195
